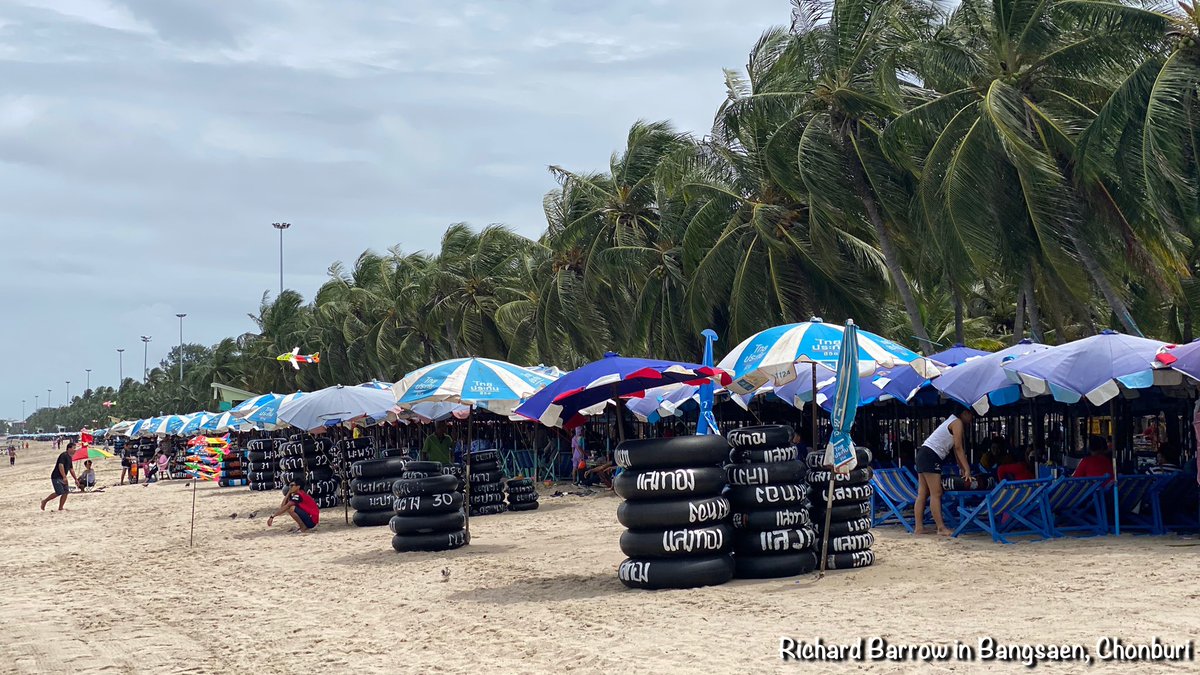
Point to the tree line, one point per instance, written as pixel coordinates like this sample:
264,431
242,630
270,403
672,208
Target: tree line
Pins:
1000,170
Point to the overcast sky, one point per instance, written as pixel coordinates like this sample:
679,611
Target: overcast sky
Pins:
147,145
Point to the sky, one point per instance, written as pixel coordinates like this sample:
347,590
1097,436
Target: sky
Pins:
147,146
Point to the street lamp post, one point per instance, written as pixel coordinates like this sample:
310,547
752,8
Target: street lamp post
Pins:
67,400
22,411
145,363
281,227
47,398
181,345
120,368
89,380
36,398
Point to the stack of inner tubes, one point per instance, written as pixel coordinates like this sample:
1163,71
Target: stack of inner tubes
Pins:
774,536
233,472
486,493
345,453
308,460
428,509
371,489
522,495
679,534
262,467
850,537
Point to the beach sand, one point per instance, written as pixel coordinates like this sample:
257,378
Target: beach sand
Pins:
111,585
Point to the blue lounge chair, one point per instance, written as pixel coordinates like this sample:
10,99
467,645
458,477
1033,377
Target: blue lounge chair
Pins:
896,491
1077,505
1137,494
1014,507
522,464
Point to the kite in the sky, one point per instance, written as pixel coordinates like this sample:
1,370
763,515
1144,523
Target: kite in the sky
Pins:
296,358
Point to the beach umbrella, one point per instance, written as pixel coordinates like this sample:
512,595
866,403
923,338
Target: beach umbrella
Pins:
197,420
982,382
224,422
552,372
335,405
90,452
770,356
561,403
707,424
376,384
170,425
266,416
903,383
840,453
249,405
1095,368
496,386
1181,358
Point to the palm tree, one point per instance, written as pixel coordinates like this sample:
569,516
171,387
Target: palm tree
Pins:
1011,83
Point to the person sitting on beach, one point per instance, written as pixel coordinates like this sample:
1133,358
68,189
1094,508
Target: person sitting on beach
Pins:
1098,463
1012,469
1167,460
300,506
163,460
152,470
87,479
58,478
948,436
995,455
602,471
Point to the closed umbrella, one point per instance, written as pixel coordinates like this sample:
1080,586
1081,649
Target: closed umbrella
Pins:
840,454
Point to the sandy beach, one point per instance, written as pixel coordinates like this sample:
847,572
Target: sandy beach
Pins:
112,586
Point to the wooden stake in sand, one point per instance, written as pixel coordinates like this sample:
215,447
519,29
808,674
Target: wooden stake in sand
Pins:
192,532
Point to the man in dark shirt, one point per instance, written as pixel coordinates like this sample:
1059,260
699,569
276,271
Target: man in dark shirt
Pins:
58,478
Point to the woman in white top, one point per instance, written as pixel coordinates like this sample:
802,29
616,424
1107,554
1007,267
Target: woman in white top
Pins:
933,451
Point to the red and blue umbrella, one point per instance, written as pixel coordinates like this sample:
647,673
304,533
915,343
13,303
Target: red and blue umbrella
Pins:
559,403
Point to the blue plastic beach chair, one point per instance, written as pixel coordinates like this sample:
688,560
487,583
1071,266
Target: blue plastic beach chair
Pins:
1077,505
1139,506
896,491
1014,507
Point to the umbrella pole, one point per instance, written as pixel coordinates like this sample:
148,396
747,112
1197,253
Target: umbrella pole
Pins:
1112,428
467,454
814,413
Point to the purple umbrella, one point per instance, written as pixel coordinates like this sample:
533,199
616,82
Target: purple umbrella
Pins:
1094,368
904,382
1183,358
981,382
559,403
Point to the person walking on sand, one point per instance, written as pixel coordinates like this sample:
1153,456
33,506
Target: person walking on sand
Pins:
947,436
12,455
300,506
58,478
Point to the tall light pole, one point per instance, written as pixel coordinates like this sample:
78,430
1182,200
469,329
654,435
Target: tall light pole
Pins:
35,402
145,363
89,380
281,227
181,345
22,413
120,368
67,400
47,398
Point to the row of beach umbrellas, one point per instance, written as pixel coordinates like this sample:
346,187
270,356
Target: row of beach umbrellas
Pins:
786,361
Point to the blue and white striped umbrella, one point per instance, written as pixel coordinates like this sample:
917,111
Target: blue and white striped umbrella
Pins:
771,355
171,425
267,414
193,425
376,384
225,422
497,386
248,406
